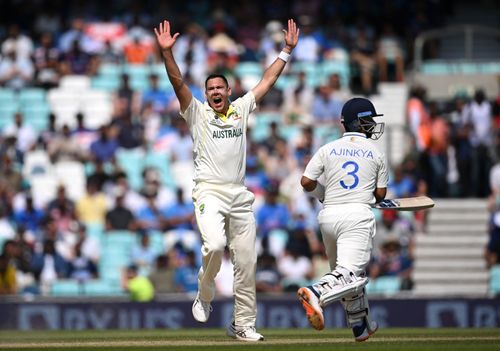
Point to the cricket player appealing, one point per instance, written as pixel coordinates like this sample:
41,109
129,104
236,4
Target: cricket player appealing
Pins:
223,205
355,177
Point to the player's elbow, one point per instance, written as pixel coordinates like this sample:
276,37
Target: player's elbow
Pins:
307,184
379,194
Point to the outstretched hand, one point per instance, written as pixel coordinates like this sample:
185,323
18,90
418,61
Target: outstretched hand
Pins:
292,34
163,37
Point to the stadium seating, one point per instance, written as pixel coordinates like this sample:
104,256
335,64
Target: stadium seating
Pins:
386,285
495,280
67,287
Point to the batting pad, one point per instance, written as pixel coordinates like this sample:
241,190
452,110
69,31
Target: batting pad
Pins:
350,289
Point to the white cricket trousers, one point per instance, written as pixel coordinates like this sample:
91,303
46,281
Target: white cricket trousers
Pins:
348,232
225,217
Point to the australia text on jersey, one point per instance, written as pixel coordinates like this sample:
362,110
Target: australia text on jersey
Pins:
228,133
352,153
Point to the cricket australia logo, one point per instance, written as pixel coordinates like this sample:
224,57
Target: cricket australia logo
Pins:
202,208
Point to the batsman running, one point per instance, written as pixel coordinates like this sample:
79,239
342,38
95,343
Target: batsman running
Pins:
223,205
355,177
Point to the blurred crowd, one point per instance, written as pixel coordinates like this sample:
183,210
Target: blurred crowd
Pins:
454,144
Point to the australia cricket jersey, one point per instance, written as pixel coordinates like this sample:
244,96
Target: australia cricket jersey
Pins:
219,141
352,166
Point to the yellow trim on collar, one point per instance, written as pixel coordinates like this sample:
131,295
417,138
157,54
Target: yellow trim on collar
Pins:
224,117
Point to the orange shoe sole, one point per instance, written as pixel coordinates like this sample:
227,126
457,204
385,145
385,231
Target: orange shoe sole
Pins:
314,316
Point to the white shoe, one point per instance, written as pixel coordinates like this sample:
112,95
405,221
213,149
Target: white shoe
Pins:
311,305
243,333
364,330
201,310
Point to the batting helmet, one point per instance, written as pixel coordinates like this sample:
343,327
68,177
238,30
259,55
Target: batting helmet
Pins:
357,116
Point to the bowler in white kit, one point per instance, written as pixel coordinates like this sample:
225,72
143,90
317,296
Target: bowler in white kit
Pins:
223,205
355,176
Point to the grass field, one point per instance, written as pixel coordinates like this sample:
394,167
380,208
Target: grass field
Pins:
276,339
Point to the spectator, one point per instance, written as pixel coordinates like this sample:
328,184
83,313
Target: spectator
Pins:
130,132
90,247
362,54
92,206
18,42
296,269
181,214
9,175
84,136
104,148
48,266
162,276
401,184
46,60
392,262
492,250
76,61
136,52
120,217
8,285
186,276
390,55
267,277
159,97
272,215
6,229
140,288
76,36
326,107
29,217
24,133
62,147
126,96
182,148
479,120
144,255
81,267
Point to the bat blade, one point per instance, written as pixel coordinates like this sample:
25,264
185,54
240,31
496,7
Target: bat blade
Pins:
406,204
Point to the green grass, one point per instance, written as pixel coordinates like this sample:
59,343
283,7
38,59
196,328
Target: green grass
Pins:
390,339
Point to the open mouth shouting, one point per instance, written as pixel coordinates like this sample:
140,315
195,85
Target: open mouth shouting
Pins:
218,103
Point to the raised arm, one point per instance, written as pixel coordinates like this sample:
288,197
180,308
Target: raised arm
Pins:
272,73
165,42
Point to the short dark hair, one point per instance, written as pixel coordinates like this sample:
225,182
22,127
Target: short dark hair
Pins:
216,75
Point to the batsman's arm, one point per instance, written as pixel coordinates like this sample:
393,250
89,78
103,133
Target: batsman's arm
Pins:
165,42
379,194
313,187
272,73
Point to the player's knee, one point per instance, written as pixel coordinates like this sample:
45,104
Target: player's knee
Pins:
215,247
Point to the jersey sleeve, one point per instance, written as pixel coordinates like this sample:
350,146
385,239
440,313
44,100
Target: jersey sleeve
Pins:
246,104
193,112
382,175
315,167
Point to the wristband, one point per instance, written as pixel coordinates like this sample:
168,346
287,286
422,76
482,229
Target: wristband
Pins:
284,56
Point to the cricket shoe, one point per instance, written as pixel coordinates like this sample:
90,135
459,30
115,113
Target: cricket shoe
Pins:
243,333
310,302
201,309
364,330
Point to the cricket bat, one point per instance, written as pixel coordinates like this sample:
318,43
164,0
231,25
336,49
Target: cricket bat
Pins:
406,204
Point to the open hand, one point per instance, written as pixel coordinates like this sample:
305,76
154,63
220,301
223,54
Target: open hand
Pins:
292,34
163,37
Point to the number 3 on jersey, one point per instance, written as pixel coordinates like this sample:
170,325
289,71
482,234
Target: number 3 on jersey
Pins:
352,180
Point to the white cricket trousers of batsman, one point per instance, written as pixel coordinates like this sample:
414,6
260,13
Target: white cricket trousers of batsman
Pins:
225,217
348,232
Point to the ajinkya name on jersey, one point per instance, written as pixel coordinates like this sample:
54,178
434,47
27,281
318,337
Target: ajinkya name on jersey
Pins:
352,153
227,133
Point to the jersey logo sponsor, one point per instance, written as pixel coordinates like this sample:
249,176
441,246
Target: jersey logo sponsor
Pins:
228,133
352,153
202,208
